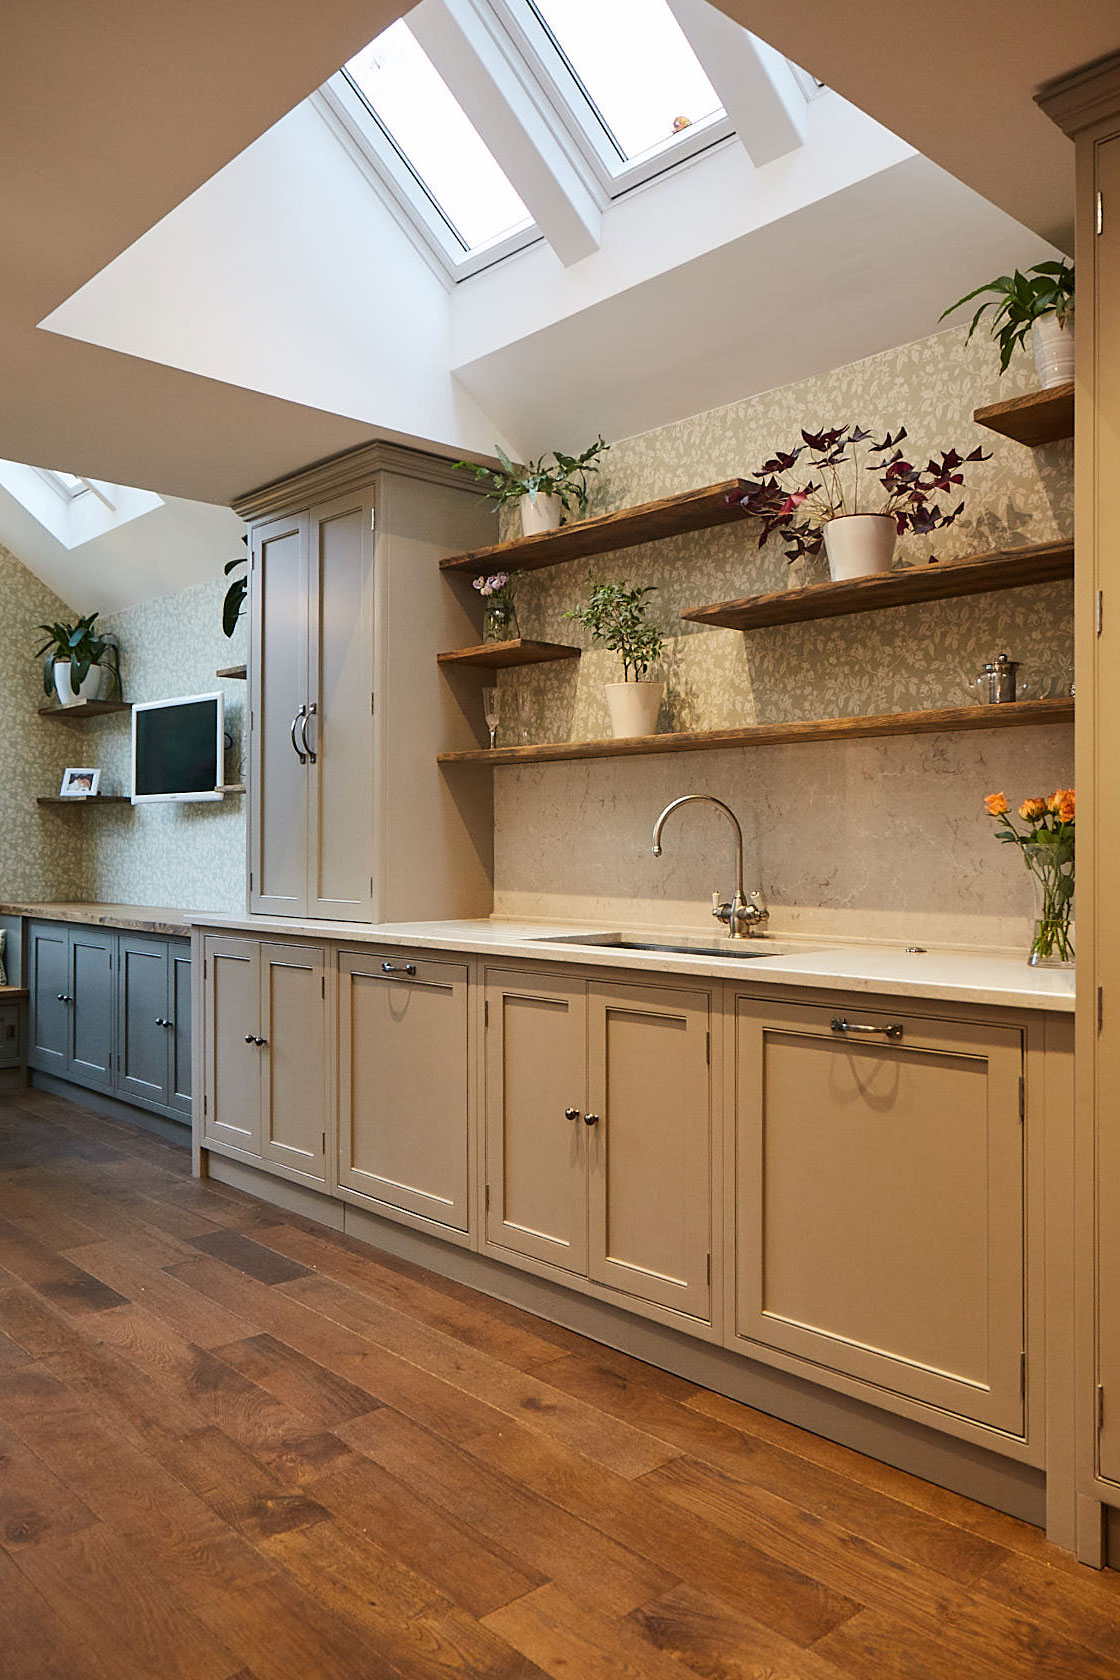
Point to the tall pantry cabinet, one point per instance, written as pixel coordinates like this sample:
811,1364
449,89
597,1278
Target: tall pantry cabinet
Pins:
350,817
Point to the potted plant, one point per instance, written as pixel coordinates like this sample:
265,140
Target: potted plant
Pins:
80,662
546,489
233,602
1048,849
615,614
852,496
1039,302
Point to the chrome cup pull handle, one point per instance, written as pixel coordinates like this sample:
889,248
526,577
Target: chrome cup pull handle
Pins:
852,1028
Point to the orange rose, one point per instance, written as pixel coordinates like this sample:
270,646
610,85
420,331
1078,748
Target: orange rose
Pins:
1032,809
1067,806
996,805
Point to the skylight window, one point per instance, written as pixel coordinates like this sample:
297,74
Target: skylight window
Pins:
436,140
634,67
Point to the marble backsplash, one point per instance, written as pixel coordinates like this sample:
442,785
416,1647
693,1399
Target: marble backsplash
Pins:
876,838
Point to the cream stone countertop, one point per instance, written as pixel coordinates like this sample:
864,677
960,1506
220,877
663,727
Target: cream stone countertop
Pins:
133,918
960,976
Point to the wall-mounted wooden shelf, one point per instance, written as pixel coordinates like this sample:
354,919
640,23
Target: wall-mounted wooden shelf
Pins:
1039,417
952,720
85,709
85,799
498,656
695,510
981,574
234,673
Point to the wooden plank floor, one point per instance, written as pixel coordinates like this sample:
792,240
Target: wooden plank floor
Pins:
236,1447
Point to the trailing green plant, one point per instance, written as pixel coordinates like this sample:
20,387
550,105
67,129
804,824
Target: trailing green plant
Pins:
615,614
1019,300
84,646
564,476
234,603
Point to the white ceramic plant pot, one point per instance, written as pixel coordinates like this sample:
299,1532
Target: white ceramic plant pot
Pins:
1052,343
543,513
68,695
859,545
634,707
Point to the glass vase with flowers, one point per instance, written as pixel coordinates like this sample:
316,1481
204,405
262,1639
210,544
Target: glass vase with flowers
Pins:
1047,846
499,619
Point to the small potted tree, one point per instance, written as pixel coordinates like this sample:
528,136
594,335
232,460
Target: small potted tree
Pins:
1038,303
546,490
615,614
80,662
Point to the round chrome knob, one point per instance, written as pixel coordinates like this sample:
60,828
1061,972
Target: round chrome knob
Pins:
249,1039
571,1114
591,1119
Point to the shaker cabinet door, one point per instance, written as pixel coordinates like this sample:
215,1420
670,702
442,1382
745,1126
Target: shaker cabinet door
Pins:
179,1002
93,1006
142,1031
232,1109
293,1057
278,704
48,976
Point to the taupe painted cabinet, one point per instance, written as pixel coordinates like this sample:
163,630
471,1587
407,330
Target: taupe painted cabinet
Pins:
403,1081
265,1057
879,1201
598,1127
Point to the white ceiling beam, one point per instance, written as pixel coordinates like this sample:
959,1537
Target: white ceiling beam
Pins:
461,42
756,86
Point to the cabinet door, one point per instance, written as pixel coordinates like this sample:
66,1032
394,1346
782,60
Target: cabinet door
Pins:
232,1110
340,730
536,1156
278,692
93,1006
403,1083
179,1026
142,1033
11,1047
48,979
880,1201
650,1168
293,1057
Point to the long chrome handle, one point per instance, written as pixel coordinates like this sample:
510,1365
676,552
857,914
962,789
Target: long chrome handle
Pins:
299,752
840,1025
308,715
398,968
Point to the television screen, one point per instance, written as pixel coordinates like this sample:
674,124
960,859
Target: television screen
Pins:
177,749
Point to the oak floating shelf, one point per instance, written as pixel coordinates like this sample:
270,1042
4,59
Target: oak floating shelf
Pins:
84,799
981,574
499,656
1039,417
235,673
695,510
85,709
950,720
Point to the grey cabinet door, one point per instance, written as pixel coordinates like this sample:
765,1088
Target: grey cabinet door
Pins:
92,1009
278,779
142,1031
179,1027
48,977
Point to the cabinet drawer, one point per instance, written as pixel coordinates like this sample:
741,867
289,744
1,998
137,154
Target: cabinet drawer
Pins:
879,1200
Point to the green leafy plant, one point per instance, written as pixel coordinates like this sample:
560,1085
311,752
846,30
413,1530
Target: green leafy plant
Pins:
559,475
615,614
234,603
1018,301
84,646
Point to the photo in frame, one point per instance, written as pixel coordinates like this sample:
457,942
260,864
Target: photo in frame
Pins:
80,784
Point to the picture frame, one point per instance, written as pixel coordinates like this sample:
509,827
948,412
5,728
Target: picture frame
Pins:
80,784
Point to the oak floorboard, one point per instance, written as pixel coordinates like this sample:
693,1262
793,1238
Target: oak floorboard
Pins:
570,1642
34,1643
36,1506
723,1644
252,1258
137,1271
52,1276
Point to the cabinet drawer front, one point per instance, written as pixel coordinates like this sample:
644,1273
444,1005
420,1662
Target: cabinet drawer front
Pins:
403,1084
879,1202
293,1057
536,1158
233,1067
651,1148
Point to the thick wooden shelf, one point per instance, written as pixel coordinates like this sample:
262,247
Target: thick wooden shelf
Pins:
85,709
235,673
695,510
498,656
981,574
1039,417
85,799
952,719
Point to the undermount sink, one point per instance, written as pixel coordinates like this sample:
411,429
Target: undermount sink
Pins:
679,945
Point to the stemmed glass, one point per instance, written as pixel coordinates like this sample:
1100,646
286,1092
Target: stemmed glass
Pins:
490,711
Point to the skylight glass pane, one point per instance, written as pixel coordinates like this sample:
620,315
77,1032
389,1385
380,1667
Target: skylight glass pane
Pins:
636,68
70,481
436,138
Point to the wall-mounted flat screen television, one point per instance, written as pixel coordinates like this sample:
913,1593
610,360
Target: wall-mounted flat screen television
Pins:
178,749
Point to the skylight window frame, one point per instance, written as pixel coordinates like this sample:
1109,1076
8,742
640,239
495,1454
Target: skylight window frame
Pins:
386,166
549,69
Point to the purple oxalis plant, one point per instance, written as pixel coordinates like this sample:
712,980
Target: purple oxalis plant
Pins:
800,511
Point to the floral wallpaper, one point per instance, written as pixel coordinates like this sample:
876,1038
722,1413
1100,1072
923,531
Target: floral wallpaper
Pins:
903,659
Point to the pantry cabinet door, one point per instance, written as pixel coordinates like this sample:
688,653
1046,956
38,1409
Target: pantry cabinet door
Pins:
278,697
650,1163
536,1144
293,1057
879,1200
403,1084
232,1061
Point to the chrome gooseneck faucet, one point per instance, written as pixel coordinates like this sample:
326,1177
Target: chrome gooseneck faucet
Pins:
742,916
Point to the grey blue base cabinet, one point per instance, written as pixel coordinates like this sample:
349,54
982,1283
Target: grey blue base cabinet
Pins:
111,1011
